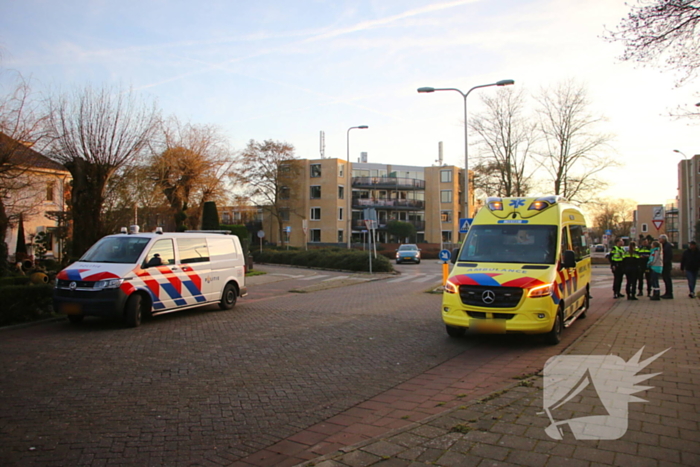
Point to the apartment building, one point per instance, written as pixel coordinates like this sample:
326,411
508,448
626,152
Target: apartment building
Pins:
330,199
688,203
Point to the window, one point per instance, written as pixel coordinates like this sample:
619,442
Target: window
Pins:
284,192
341,170
578,242
284,214
445,176
315,235
161,253
192,250
446,235
315,214
340,214
446,196
645,228
315,191
315,170
340,236
50,186
445,216
341,192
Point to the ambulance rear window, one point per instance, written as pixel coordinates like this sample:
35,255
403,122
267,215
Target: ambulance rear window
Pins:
517,243
122,249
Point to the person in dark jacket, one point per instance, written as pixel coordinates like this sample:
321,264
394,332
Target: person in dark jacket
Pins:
690,263
667,255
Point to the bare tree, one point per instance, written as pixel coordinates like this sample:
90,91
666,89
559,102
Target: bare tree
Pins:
95,132
190,168
20,129
615,215
270,174
573,152
507,137
662,30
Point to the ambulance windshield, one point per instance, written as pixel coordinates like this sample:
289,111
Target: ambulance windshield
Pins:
511,243
122,249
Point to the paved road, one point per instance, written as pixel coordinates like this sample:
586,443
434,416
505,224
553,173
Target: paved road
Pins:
205,387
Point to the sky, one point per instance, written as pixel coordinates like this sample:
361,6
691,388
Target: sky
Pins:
287,70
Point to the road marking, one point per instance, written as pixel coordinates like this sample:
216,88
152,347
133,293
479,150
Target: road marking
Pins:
429,277
335,278
311,278
405,278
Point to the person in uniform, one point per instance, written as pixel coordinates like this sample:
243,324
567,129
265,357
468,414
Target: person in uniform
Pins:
615,257
630,264
644,272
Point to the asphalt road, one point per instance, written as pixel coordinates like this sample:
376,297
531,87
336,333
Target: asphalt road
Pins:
208,387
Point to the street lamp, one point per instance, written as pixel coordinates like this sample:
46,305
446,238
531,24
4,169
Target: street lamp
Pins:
503,82
348,188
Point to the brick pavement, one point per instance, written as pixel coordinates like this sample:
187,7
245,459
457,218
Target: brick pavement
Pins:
507,427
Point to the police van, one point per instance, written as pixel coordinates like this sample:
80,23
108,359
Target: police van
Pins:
524,267
132,275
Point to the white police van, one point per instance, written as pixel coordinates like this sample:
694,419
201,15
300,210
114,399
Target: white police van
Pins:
131,275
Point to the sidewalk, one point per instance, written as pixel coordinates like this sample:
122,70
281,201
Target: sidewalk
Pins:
507,427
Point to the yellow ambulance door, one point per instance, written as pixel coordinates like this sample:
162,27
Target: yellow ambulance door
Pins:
582,254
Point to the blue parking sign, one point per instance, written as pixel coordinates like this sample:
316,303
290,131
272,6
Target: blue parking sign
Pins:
464,224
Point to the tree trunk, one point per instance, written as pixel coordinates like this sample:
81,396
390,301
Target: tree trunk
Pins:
87,197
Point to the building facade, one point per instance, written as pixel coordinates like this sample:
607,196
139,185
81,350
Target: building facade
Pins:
330,200
646,220
688,203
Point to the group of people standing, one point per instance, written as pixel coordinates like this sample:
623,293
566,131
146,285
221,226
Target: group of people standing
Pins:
651,261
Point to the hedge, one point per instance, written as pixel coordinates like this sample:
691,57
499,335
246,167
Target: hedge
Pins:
331,258
22,303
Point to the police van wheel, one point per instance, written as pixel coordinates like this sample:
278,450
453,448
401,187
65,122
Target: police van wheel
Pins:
75,319
553,337
228,299
454,331
132,311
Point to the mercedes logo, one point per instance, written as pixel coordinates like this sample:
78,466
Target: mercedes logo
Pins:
72,285
488,297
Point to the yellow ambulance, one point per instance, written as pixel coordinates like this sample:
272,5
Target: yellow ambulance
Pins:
524,267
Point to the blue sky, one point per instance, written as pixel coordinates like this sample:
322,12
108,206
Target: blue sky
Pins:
286,70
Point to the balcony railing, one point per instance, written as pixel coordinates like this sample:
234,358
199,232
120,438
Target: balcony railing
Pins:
389,204
396,183
382,225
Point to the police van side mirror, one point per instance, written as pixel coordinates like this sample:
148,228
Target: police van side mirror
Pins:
569,259
454,255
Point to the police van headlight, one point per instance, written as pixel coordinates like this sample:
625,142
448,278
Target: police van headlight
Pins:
451,287
541,291
108,284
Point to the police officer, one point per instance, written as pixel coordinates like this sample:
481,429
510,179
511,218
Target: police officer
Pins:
644,272
630,264
616,255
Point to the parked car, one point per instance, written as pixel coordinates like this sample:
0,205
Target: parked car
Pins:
408,252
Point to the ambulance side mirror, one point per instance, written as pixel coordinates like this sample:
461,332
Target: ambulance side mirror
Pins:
568,259
454,255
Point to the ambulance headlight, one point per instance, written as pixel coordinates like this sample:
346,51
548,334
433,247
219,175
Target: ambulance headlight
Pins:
108,284
451,287
541,291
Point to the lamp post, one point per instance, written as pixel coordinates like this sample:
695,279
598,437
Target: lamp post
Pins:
687,199
348,188
503,82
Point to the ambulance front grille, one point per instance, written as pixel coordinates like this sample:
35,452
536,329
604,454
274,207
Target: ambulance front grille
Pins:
489,296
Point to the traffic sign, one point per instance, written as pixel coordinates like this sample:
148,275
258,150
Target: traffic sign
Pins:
445,255
288,229
657,223
464,224
261,234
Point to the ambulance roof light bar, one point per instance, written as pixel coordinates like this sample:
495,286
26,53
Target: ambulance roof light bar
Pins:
544,202
494,204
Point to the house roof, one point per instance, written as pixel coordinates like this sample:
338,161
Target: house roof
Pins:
21,154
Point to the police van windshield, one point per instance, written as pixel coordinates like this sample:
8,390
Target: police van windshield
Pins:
125,249
511,243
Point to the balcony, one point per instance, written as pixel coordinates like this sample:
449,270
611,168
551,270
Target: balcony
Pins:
358,224
388,183
388,204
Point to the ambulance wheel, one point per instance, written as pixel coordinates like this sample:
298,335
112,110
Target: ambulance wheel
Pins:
132,311
228,299
75,319
553,337
454,331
